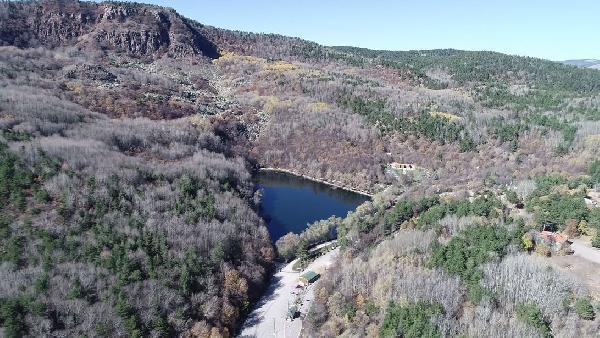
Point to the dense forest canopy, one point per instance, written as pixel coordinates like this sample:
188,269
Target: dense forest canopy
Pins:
484,66
128,139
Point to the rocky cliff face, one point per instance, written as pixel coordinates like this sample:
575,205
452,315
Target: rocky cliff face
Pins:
141,31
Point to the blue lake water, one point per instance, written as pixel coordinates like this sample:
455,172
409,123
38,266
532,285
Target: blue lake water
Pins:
290,203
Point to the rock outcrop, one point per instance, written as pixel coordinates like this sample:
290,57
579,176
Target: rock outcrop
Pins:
137,30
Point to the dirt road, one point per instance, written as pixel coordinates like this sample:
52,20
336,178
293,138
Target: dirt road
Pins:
583,265
268,319
585,251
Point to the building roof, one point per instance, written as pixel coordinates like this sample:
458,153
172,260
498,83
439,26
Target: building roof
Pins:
397,165
309,275
553,236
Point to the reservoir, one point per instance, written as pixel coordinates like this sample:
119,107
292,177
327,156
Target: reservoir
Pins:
290,203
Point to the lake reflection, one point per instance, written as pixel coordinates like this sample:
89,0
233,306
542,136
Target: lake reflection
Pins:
290,202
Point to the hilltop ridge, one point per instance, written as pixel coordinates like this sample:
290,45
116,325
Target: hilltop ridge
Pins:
135,29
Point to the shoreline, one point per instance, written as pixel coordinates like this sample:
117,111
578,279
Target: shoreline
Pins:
314,179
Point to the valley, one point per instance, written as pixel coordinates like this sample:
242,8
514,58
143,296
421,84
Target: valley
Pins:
161,177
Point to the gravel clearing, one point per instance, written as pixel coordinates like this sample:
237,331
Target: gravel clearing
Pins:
268,319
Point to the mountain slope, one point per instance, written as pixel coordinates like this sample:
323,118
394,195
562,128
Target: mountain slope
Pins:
585,63
128,226
129,135
467,66
138,30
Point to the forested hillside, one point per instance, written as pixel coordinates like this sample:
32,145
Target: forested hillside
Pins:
124,213
128,139
447,112
118,226
459,265
584,63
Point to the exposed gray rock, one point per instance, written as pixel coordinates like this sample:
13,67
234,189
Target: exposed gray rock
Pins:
141,31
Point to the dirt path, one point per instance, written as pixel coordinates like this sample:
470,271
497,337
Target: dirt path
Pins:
583,265
268,319
585,251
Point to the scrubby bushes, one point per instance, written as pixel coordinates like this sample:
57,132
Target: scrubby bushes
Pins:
468,251
487,286
128,244
15,180
430,126
406,209
555,206
531,315
431,210
12,313
195,203
359,290
512,197
519,278
412,320
584,309
594,171
554,210
593,226
111,211
290,245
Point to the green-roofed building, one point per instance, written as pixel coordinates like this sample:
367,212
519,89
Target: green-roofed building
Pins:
292,312
308,277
